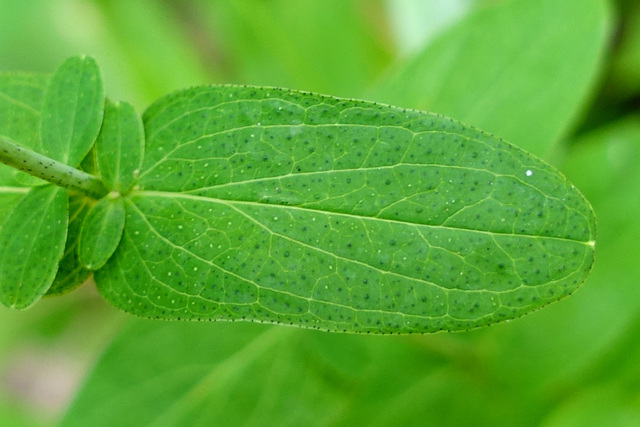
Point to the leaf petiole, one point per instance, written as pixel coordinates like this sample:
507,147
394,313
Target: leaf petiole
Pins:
50,170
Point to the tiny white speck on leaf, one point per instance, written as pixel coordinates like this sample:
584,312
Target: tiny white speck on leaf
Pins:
529,172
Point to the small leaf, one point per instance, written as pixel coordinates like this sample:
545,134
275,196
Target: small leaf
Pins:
32,241
281,206
71,273
120,146
21,99
101,232
9,198
72,111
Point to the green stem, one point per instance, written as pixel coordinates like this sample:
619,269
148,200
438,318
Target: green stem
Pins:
50,170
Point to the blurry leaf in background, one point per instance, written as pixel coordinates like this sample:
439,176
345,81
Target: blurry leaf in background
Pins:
247,374
415,22
598,406
519,69
28,36
625,78
47,350
329,46
192,365
153,43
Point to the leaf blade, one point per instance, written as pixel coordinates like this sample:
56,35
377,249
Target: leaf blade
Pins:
21,99
72,110
340,215
101,232
120,146
36,229
71,273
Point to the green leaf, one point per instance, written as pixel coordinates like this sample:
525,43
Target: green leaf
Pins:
9,198
101,232
246,375
281,206
71,273
599,406
21,98
329,46
72,111
521,69
204,374
32,241
624,80
120,147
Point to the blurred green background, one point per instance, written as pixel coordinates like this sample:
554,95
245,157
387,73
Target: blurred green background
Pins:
560,78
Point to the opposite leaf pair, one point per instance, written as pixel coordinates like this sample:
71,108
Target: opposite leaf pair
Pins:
119,152
33,237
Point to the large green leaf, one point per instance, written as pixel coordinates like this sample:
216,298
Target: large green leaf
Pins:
72,110
289,207
521,69
32,241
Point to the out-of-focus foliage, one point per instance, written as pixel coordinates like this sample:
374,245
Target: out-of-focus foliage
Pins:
574,363
520,69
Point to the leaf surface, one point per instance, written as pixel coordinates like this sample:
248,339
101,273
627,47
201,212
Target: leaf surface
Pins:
282,206
72,111
101,232
21,98
120,146
32,241
71,273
